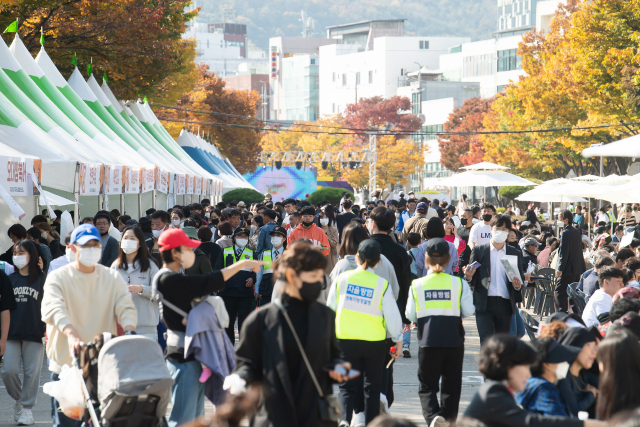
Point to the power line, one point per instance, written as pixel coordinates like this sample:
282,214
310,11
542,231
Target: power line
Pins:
382,132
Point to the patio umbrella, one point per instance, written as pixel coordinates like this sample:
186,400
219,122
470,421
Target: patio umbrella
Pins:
627,147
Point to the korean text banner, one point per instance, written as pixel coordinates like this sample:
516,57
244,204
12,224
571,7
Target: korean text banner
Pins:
163,178
148,179
14,175
131,180
181,184
288,182
190,181
91,179
113,179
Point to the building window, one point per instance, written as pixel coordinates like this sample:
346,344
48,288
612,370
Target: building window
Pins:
500,88
313,61
344,80
508,60
478,65
416,99
431,130
403,71
424,44
358,78
371,77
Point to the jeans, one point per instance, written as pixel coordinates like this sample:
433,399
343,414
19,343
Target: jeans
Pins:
517,324
187,394
59,419
406,338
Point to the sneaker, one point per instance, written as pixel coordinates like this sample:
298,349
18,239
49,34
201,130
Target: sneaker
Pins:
438,421
358,420
26,418
17,410
414,325
344,424
405,351
384,405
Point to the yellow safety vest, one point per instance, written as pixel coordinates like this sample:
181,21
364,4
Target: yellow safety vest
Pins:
437,294
266,257
359,313
246,254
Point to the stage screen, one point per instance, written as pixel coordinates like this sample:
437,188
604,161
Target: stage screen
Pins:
288,182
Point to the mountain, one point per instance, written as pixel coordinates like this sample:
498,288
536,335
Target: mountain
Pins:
272,18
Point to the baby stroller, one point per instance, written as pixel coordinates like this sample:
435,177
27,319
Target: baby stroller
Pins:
134,384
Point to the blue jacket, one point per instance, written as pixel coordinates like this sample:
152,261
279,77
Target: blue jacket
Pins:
542,397
264,238
404,217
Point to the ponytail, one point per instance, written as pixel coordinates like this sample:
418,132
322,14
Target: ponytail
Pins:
437,264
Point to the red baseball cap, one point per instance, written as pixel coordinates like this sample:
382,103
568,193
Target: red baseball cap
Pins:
174,238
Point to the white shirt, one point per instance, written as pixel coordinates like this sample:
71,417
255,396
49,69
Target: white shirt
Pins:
636,215
480,234
341,204
498,281
600,302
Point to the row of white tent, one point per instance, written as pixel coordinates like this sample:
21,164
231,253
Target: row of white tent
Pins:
90,149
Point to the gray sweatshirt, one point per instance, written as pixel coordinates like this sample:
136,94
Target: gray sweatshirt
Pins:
146,305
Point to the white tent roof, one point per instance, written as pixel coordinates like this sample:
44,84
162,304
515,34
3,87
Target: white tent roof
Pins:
485,178
484,166
586,178
627,147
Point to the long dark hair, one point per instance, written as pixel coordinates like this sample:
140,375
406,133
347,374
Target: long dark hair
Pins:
143,253
352,234
530,216
331,214
29,247
619,379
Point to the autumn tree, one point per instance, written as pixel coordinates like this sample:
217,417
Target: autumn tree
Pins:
462,150
137,43
210,105
376,112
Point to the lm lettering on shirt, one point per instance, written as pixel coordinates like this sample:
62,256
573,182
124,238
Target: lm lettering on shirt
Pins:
485,235
437,295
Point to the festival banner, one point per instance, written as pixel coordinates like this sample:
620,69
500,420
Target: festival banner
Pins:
198,186
181,184
131,180
205,186
14,175
91,179
163,178
190,182
148,179
113,179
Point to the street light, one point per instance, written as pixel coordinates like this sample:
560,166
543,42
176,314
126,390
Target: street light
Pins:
264,95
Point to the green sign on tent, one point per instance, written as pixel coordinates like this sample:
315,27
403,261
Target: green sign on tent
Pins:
12,28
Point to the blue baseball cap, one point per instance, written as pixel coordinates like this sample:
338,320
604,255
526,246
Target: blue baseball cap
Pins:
83,233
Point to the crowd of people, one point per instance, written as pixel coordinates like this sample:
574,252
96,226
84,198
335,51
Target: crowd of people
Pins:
317,294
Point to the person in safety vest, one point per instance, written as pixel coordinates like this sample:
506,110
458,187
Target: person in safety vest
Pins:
238,295
438,302
264,285
366,311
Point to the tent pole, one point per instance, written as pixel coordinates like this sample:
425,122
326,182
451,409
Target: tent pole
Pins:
122,204
100,202
76,196
153,199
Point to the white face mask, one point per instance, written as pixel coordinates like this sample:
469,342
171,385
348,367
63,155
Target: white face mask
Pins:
254,227
207,214
499,236
397,215
242,242
175,222
129,246
276,241
20,261
89,257
157,233
324,221
71,256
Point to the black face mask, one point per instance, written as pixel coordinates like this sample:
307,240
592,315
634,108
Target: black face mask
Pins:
310,291
104,234
215,221
463,221
307,224
487,218
514,244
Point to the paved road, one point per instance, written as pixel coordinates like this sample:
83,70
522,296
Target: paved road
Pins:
407,403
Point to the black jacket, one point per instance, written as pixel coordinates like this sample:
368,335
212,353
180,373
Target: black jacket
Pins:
236,286
570,258
482,277
213,250
109,252
495,406
260,357
527,258
342,220
401,262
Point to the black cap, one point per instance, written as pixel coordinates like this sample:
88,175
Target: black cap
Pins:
308,210
559,353
131,223
369,250
241,230
561,316
578,337
150,211
437,247
279,230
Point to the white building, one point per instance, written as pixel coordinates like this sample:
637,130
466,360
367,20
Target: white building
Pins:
348,73
223,47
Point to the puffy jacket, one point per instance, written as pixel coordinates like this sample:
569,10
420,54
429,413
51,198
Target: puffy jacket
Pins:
315,234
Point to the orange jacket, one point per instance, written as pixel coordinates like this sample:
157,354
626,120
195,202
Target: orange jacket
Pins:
315,234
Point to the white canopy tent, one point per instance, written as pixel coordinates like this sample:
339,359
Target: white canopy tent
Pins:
485,178
627,147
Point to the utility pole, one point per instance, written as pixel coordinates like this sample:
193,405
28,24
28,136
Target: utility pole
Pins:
373,158
264,98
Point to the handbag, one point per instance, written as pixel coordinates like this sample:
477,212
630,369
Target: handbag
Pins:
330,408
